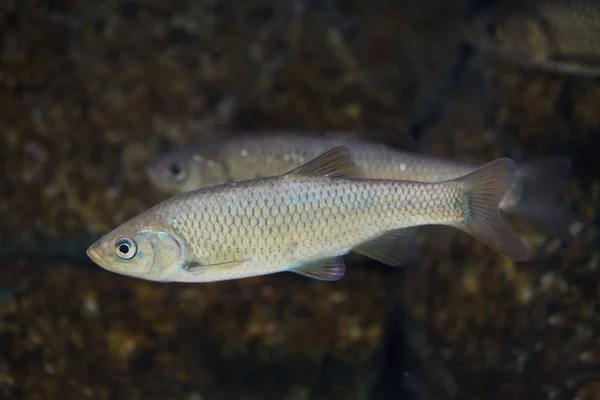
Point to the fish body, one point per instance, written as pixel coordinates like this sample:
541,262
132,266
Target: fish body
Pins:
557,35
303,222
252,156
533,194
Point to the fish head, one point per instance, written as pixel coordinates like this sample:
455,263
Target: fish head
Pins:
140,249
184,170
510,33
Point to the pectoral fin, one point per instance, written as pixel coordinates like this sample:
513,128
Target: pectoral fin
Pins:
196,268
576,64
395,247
586,60
328,269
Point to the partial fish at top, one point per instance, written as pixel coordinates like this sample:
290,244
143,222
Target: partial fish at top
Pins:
302,222
556,35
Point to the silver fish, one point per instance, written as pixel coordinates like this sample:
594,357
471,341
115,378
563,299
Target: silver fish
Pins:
534,194
556,35
302,222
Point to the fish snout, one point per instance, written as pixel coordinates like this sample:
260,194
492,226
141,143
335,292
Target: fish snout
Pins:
94,254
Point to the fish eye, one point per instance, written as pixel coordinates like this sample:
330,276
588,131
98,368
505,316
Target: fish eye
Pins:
126,248
177,171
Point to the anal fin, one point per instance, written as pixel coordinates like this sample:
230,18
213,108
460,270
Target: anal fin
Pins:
395,247
327,269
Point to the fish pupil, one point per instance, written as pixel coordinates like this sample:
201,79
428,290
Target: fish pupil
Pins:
175,169
124,248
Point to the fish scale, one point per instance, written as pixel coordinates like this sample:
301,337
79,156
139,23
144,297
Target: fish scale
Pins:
353,211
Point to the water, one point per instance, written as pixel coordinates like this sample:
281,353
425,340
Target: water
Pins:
90,92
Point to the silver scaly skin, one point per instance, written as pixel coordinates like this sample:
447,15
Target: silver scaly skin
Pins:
303,222
533,194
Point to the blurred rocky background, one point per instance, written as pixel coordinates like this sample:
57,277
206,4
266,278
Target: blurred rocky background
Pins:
91,90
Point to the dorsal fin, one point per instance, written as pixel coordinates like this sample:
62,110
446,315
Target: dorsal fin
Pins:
336,162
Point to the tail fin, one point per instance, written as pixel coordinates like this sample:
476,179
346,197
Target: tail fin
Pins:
536,195
484,189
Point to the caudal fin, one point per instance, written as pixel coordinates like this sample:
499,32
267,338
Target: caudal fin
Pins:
536,195
484,189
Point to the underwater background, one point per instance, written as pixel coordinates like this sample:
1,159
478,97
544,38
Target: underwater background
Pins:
91,91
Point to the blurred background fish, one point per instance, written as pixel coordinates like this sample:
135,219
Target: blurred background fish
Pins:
556,35
535,194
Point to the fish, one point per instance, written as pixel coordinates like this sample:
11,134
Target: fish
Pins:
561,36
303,221
534,195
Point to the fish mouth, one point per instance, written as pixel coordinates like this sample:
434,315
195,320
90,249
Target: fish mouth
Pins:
94,255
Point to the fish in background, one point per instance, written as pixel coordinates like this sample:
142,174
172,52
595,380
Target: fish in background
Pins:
303,222
556,35
533,195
